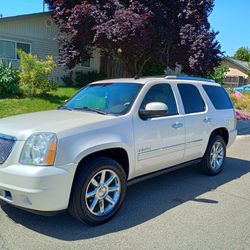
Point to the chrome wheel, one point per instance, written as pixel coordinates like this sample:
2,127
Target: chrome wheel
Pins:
217,156
103,192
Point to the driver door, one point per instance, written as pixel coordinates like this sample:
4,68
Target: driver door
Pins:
159,142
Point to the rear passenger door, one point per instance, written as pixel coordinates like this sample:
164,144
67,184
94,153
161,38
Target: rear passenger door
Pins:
197,121
159,142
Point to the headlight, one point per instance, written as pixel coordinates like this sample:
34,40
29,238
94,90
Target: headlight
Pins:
39,149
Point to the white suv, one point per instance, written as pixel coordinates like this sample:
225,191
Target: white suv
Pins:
81,156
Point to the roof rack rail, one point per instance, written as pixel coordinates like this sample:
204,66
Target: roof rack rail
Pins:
191,78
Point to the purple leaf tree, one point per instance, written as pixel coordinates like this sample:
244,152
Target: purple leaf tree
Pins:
168,32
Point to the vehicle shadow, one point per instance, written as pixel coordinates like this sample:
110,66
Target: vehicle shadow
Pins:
144,201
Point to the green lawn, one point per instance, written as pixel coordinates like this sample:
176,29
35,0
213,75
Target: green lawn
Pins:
14,106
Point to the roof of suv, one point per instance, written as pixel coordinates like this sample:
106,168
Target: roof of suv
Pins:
145,80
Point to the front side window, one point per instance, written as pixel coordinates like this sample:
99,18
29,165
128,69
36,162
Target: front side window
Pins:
109,98
161,93
191,98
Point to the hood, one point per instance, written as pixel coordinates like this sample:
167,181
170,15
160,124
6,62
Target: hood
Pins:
55,121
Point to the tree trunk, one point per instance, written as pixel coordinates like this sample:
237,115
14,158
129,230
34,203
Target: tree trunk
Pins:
135,68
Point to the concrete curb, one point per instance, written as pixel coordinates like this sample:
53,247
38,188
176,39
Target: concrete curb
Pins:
242,137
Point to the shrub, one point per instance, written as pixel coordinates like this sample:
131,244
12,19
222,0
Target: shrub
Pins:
219,74
83,78
34,74
153,69
9,79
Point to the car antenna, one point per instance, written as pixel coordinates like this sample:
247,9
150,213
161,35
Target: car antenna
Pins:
137,77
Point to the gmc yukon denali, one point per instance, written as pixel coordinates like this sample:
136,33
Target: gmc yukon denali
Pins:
112,133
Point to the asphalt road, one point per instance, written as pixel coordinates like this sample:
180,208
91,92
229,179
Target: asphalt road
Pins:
181,210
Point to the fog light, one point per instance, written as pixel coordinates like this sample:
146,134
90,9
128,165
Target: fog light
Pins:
7,195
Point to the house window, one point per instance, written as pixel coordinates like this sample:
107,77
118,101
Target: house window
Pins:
24,47
86,64
8,49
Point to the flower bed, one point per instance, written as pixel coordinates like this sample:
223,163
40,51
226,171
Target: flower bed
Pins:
242,105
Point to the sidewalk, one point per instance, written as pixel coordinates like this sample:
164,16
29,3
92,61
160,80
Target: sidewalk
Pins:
243,127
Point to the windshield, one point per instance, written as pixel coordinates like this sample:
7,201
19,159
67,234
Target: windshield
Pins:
105,98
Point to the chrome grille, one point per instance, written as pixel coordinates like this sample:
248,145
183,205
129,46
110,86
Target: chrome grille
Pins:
6,146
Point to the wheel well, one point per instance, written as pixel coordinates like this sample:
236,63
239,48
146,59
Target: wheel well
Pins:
223,132
118,154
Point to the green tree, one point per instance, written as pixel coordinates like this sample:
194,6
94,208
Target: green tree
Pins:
243,54
219,74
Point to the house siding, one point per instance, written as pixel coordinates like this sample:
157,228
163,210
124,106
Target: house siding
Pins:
34,29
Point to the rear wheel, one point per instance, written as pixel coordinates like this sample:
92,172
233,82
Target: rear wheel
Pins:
214,158
98,191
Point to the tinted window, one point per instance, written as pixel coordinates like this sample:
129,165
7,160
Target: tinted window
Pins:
191,98
218,97
161,93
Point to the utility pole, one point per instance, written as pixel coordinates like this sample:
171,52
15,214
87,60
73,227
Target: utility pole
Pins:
43,6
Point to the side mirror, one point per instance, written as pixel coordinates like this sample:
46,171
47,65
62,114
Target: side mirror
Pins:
153,109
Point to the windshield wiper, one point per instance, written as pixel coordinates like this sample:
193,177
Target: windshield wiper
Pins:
92,110
64,107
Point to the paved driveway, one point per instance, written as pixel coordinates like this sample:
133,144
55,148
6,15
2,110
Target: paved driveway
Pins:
181,210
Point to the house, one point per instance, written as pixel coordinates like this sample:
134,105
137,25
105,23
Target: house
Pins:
36,33
238,74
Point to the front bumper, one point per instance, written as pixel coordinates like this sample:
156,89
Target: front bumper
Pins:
44,189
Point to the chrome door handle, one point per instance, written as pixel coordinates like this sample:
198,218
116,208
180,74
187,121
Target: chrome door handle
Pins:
177,125
207,120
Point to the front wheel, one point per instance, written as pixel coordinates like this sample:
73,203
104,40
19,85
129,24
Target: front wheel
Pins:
98,191
214,157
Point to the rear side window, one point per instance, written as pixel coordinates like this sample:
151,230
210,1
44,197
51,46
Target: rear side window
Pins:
191,98
218,97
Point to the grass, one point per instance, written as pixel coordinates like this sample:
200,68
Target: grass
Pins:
15,106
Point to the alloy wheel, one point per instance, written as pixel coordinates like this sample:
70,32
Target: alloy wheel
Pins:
103,192
217,156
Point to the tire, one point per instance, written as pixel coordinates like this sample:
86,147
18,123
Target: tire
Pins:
93,199
214,157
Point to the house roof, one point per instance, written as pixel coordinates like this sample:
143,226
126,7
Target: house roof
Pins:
11,18
241,64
